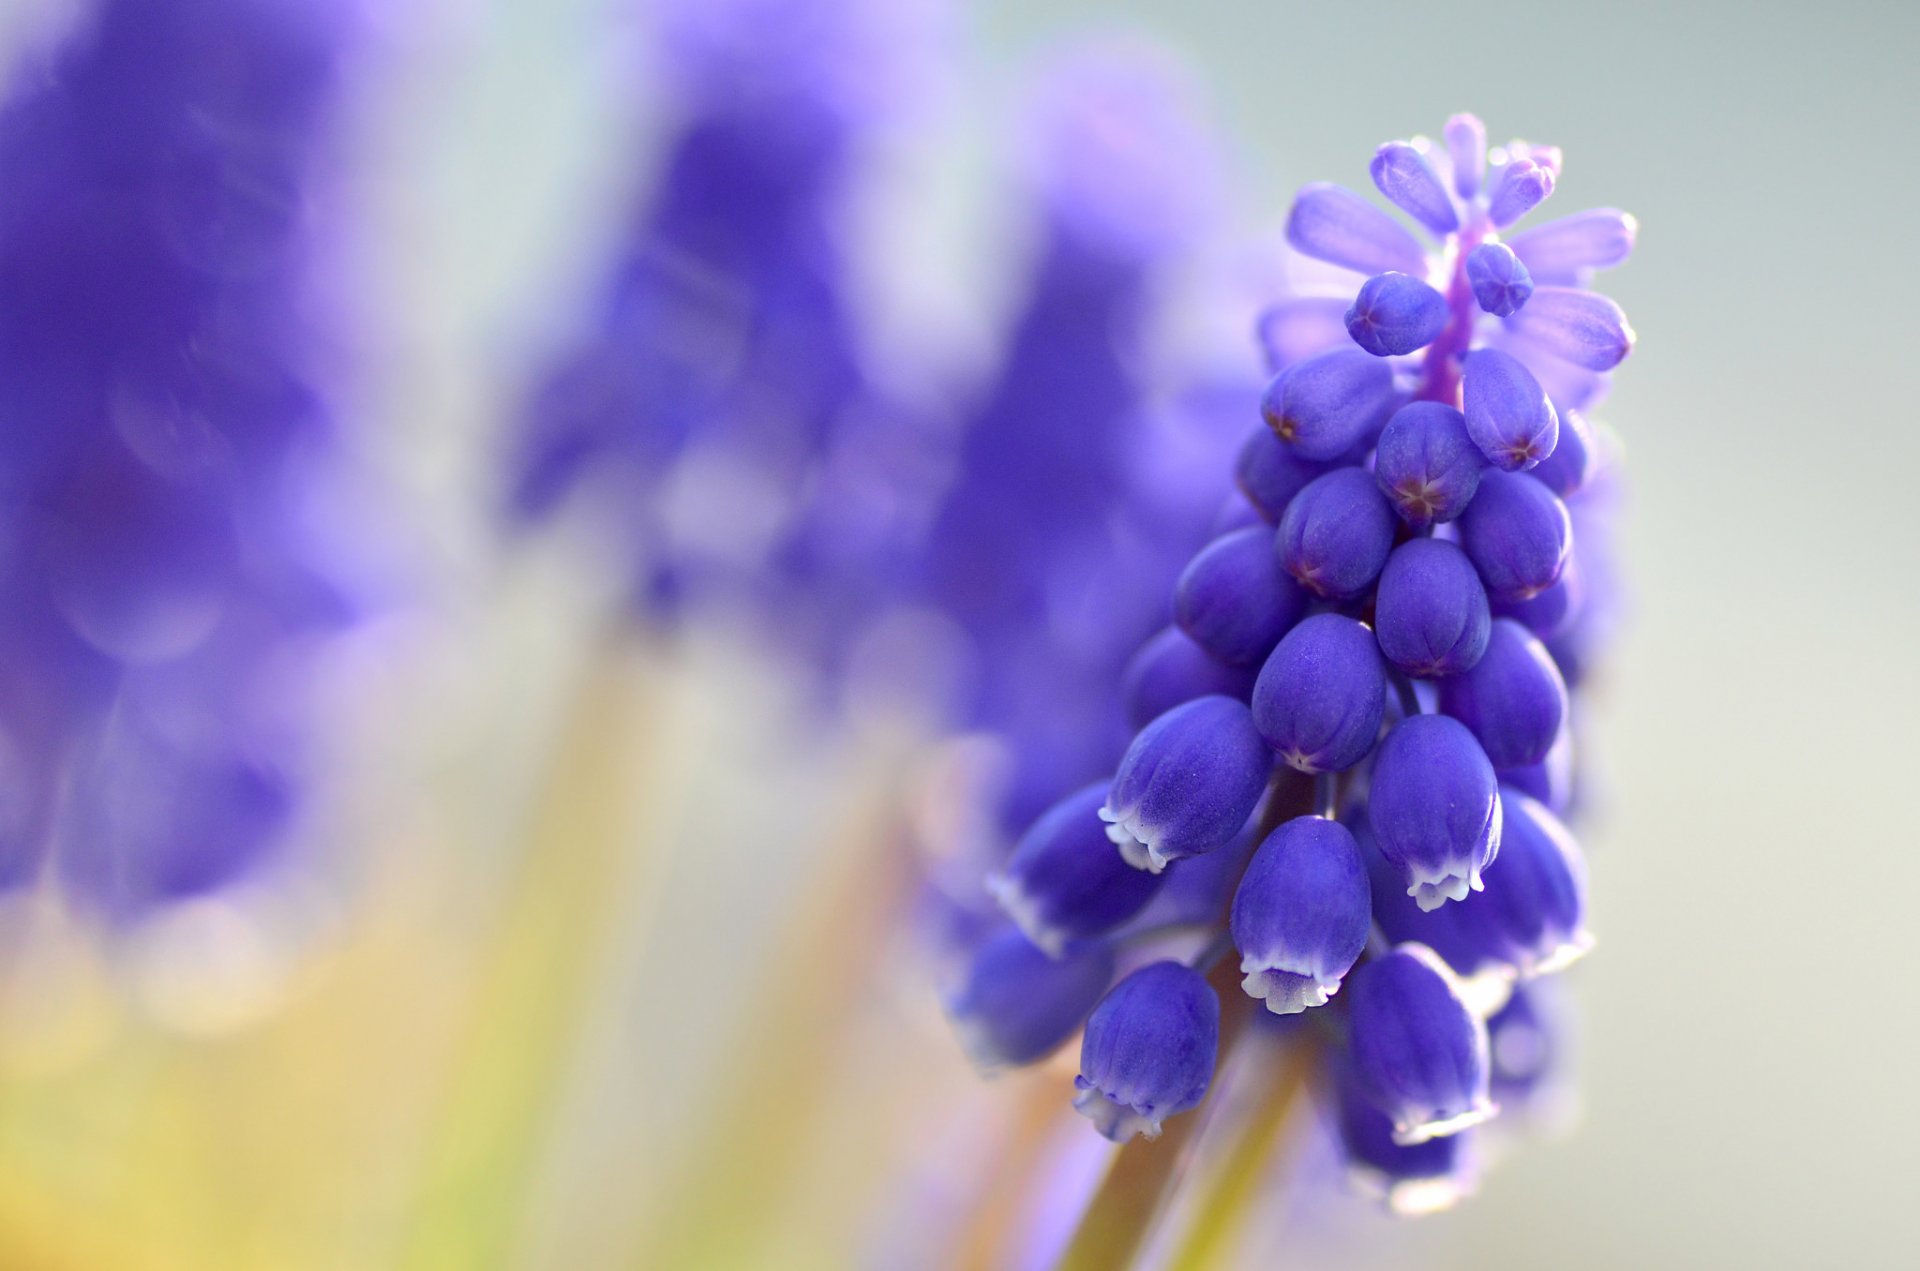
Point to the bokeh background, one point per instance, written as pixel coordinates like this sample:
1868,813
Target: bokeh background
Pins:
507,1029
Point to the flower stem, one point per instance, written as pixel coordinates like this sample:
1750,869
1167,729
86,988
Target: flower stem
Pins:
1326,795
1145,1172
1223,1211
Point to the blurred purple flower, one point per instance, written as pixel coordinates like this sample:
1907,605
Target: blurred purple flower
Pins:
161,438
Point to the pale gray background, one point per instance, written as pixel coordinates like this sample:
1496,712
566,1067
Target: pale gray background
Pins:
1752,1026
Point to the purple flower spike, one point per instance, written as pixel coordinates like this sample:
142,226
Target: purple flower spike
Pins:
1431,610
1573,458
1521,186
1501,284
1301,915
1321,696
1330,405
1421,1178
1016,1005
1332,223
1403,174
1517,534
1532,916
1064,882
1427,463
1270,472
1419,1054
1149,1051
1170,669
1509,415
1294,330
1466,139
1434,808
1570,249
1584,327
1336,534
1513,699
1187,783
1395,314
1235,600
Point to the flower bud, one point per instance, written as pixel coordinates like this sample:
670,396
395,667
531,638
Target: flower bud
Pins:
1517,534
1395,314
1584,327
1521,186
1332,223
1330,405
1149,1051
1321,695
1233,598
1418,1054
1336,534
1573,459
1501,284
1170,669
1466,139
1015,1005
1403,174
1513,699
1551,611
1551,780
1301,915
1567,250
1187,783
1430,612
1420,1178
1427,463
1434,808
1270,472
1508,414
1532,915
1294,330
1064,881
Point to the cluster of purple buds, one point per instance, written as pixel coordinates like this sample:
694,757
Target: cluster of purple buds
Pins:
1354,763
161,583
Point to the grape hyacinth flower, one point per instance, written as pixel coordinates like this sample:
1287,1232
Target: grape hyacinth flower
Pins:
1149,1051
1512,700
1431,476
1301,914
1336,534
1018,1004
1435,808
1518,534
1320,697
164,446
1418,1051
1410,1179
1170,669
1187,784
1431,610
1428,463
1234,600
1065,882
715,398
